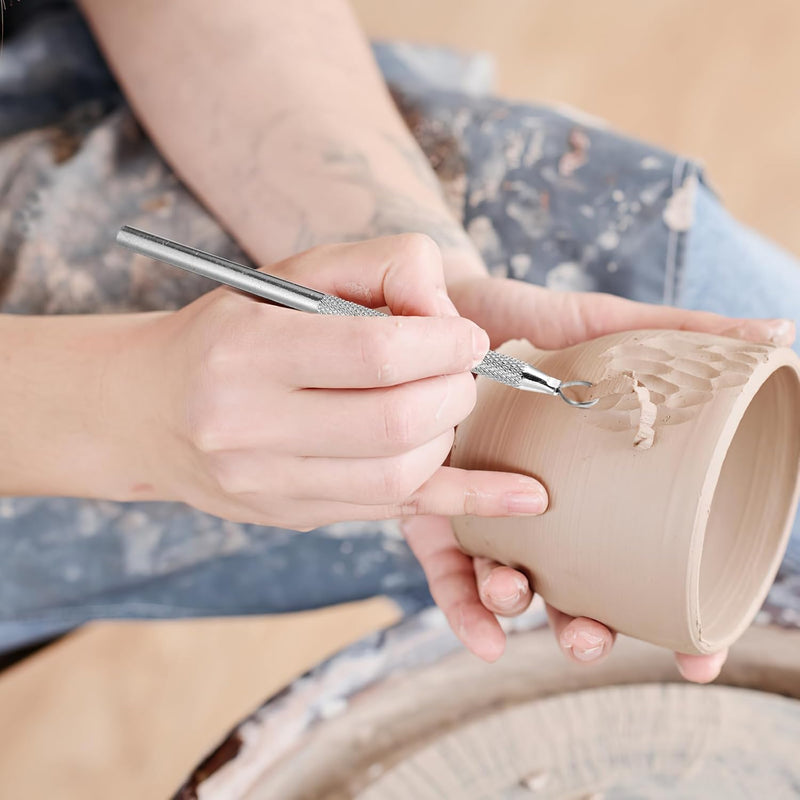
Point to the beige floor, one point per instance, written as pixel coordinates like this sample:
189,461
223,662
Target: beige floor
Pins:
123,711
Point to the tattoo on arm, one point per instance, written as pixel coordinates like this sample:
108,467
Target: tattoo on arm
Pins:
415,159
393,211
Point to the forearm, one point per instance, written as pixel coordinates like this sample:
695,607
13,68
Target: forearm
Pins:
62,419
276,116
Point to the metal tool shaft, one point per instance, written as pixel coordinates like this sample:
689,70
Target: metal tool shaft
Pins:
496,366
221,270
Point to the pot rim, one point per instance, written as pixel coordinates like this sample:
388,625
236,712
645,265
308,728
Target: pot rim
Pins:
777,359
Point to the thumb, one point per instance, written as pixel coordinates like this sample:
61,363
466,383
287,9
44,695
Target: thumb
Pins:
552,320
403,272
594,315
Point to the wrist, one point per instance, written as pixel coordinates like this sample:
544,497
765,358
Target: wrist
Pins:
334,186
62,422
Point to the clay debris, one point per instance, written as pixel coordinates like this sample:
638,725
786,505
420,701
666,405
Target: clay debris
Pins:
627,383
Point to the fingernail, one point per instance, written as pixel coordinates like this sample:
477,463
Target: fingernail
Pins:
585,646
781,332
480,345
705,669
508,599
706,677
583,639
526,503
586,639
590,654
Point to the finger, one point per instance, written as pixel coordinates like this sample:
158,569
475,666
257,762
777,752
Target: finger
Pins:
451,579
502,590
573,317
597,315
413,483
454,492
357,352
387,481
368,423
581,639
403,272
700,669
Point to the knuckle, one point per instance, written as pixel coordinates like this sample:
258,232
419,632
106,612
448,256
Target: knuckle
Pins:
398,482
230,316
471,501
375,352
389,484
226,470
296,265
206,440
398,421
218,358
206,433
411,506
606,304
226,305
210,425
237,325
418,248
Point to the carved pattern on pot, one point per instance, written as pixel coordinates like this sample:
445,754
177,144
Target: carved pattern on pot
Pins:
675,372
676,544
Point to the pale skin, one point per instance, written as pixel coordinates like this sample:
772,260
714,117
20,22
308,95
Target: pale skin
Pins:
275,115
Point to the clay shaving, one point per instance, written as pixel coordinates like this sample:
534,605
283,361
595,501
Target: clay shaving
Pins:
624,383
621,383
646,431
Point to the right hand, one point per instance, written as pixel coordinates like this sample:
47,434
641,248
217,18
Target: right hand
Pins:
262,414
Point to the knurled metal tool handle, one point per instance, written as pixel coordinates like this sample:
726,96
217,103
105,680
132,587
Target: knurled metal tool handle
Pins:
496,366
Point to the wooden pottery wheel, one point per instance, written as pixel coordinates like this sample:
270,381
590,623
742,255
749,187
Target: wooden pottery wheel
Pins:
409,714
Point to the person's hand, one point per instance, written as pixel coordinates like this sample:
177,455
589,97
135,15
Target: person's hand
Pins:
472,591
263,414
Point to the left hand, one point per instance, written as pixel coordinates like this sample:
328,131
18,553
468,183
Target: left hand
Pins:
471,591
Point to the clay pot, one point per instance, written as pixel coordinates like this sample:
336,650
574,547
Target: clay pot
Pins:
671,500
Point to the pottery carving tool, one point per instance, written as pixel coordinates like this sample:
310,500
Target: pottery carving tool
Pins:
496,366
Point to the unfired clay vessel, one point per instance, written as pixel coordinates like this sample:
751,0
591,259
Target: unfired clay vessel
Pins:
671,500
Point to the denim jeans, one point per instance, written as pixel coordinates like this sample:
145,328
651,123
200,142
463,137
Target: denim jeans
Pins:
603,225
